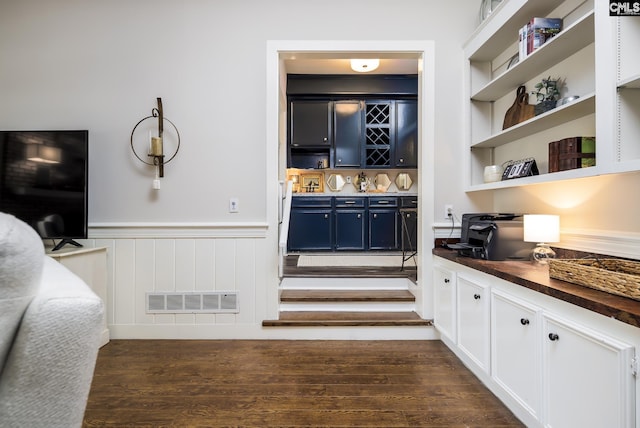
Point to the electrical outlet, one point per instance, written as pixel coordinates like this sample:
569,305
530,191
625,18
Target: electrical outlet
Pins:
234,205
448,211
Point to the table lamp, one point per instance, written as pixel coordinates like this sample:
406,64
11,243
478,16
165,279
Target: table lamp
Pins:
543,229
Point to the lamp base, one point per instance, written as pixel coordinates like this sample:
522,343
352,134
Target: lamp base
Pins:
542,253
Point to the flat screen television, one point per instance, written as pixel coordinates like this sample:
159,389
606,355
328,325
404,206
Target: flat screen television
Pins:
44,181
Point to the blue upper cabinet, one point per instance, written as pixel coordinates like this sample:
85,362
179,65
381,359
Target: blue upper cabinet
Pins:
352,121
347,119
310,123
406,143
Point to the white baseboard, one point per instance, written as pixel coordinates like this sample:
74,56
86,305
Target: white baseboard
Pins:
257,332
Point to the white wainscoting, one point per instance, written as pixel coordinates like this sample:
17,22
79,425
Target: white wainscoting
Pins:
146,258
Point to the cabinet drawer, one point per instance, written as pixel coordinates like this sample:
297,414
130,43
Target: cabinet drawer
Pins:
409,202
345,202
383,202
311,202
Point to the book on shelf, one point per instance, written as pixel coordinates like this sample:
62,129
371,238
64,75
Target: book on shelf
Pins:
536,33
572,153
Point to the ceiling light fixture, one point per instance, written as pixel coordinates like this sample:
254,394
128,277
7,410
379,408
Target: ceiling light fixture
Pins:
364,65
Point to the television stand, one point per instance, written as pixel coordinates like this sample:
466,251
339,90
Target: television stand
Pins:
65,241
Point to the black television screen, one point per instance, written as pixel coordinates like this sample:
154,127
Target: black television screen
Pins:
44,181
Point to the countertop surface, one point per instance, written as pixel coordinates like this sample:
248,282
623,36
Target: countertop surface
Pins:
354,195
536,277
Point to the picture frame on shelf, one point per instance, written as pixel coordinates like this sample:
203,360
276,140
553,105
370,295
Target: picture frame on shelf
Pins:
312,183
520,168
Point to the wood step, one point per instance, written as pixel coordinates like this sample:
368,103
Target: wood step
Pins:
346,296
346,319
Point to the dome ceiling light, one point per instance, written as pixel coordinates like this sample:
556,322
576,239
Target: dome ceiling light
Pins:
364,65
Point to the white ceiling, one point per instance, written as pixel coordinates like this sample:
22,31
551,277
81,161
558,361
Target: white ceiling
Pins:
318,65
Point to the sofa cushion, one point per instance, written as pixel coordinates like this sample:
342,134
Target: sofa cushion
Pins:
21,259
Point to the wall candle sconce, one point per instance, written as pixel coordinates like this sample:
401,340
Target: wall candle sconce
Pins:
156,148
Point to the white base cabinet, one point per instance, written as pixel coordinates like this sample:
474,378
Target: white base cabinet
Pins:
444,284
473,321
587,377
552,363
515,350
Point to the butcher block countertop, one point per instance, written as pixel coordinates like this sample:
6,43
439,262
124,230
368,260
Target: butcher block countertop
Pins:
536,277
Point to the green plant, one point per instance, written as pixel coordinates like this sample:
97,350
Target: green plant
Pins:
548,89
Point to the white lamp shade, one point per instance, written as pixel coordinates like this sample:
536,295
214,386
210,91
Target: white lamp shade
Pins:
541,228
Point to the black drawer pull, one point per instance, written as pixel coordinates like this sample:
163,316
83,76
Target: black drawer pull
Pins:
476,296
447,280
524,321
553,337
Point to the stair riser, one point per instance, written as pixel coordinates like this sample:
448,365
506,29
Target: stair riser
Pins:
349,306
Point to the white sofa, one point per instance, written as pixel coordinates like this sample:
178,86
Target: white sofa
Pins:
50,325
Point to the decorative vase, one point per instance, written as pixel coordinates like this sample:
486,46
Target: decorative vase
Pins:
544,106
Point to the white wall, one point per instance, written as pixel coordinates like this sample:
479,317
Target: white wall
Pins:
101,65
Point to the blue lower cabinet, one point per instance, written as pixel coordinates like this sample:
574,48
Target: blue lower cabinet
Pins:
351,221
350,229
311,224
383,229
310,229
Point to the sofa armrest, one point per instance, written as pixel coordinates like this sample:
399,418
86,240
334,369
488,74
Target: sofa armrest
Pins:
47,376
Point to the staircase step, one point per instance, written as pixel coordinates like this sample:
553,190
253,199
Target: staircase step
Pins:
346,319
347,296
345,283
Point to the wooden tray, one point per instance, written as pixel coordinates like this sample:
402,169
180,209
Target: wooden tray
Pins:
615,276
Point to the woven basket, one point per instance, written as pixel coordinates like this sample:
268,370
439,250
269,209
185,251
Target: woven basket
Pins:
621,277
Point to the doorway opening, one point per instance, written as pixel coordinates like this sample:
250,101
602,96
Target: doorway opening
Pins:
332,57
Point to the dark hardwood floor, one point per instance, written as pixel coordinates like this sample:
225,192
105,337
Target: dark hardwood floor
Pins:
239,383
291,269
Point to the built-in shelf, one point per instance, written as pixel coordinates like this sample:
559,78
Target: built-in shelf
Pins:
631,82
581,107
570,40
497,32
537,179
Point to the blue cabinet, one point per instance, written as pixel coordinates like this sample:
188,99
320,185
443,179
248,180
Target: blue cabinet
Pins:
350,223
347,125
406,141
383,223
311,224
310,123
357,223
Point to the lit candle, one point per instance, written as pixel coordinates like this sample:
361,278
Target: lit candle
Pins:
156,146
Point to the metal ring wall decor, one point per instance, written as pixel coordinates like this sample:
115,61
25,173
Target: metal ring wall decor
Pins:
158,159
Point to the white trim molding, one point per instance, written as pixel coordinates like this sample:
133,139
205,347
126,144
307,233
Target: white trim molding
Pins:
612,243
604,242
177,230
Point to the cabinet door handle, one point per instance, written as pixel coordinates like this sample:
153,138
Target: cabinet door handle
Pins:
553,337
359,215
375,216
382,202
349,202
401,160
524,321
447,280
476,296
326,216
339,160
325,139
